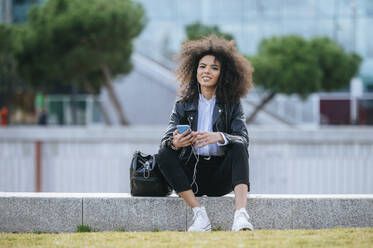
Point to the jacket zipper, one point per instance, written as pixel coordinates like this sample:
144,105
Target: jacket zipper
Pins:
216,124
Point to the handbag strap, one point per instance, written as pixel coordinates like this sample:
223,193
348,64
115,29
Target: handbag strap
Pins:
146,170
149,167
154,162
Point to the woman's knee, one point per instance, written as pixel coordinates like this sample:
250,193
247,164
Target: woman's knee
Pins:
239,145
165,154
162,152
239,148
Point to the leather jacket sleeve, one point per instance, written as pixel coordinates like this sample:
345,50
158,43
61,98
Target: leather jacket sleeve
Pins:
238,132
176,115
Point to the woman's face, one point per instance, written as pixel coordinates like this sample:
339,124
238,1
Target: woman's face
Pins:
208,71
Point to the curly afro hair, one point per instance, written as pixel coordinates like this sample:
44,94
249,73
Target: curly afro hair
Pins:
235,78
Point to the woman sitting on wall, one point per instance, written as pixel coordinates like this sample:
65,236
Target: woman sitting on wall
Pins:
212,158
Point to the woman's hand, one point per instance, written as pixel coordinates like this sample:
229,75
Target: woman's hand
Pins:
203,139
183,139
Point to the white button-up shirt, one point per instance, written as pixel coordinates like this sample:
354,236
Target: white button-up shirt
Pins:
205,112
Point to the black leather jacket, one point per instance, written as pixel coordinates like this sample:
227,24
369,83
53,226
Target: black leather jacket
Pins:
227,118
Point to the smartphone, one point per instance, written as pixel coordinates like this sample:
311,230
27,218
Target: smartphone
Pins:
183,128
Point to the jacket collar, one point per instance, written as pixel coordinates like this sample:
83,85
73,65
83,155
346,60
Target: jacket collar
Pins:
191,104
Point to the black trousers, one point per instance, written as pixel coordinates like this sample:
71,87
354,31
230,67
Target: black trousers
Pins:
215,177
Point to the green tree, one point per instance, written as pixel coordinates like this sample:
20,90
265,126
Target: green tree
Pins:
81,42
293,65
197,30
337,66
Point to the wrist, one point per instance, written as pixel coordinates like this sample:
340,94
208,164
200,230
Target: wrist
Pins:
173,147
220,138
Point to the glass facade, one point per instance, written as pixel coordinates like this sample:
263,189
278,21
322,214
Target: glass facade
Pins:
346,21
6,11
21,8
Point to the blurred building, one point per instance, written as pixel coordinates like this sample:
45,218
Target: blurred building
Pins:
249,21
6,11
345,21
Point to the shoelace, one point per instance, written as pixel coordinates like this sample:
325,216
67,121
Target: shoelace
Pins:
196,214
199,213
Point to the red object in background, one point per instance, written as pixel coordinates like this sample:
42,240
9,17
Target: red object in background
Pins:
38,168
365,108
335,112
4,116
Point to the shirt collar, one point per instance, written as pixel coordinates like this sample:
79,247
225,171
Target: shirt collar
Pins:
202,99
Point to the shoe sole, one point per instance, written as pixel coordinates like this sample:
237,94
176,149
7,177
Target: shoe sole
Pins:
245,228
205,229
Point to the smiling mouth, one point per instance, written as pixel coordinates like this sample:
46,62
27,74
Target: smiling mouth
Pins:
205,78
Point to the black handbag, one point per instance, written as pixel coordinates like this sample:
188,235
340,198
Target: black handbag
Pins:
146,178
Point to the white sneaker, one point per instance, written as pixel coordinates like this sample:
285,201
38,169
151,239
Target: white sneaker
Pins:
201,222
241,221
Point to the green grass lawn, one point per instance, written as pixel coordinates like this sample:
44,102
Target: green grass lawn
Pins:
341,237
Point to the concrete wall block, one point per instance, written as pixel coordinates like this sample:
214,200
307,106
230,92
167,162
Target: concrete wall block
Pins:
356,215
106,214
269,213
156,214
39,214
64,212
330,213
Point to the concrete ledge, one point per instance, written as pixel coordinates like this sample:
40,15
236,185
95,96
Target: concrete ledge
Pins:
24,212
63,212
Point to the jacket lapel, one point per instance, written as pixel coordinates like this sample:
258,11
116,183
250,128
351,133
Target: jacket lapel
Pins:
218,110
192,116
192,105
